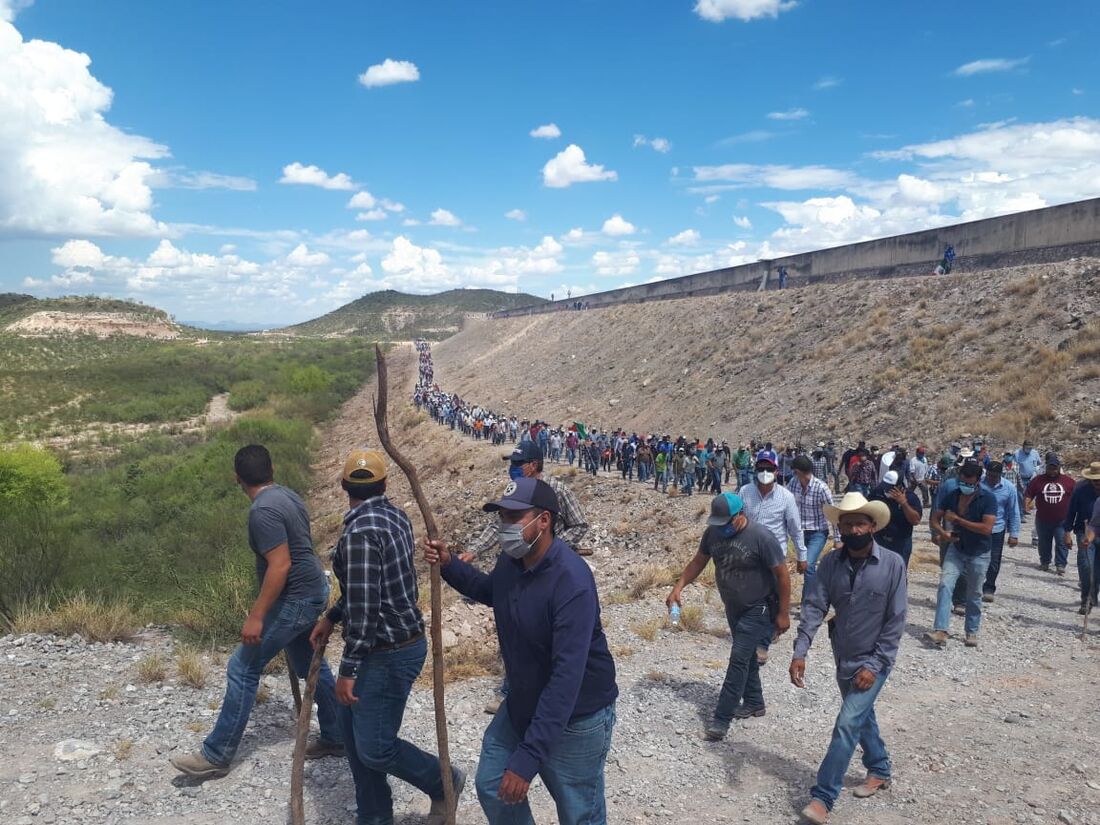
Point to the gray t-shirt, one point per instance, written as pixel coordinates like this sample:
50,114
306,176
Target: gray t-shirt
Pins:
279,516
743,564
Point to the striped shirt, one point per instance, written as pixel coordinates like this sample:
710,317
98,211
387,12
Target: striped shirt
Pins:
571,528
810,500
778,512
373,562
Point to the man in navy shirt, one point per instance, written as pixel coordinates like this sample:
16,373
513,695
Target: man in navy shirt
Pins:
963,520
560,710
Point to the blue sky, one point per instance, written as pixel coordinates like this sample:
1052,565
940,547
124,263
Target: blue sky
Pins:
266,163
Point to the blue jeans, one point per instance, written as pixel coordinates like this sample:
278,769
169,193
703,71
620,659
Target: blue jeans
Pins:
1086,568
751,628
855,723
863,489
573,772
956,564
1048,534
744,477
661,481
815,543
371,728
643,471
689,484
286,626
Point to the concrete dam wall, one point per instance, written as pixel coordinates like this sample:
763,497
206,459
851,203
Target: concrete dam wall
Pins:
1054,233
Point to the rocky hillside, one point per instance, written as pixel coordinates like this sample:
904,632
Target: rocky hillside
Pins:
394,316
1003,353
32,317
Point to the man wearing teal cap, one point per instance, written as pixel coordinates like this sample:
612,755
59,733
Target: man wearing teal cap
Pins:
750,569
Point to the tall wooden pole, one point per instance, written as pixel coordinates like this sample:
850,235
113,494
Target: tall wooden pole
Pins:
409,470
297,766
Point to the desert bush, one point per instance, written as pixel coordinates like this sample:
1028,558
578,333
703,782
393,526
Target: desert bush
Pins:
94,620
190,669
152,669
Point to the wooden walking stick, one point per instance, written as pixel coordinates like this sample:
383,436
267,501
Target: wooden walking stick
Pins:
297,809
295,688
409,470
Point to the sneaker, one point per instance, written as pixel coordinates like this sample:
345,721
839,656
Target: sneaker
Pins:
715,731
1044,567
959,609
935,638
1084,609
438,813
761,656
987,597
198,766
971,640
816,812
318,748
1060,570
744,712
492,706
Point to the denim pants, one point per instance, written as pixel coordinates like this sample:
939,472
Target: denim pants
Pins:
956,564
1087,574
815,543
855,723
371,728
573,772
1052,534
744,476
661,481
286,626
689,483
995,556
751,628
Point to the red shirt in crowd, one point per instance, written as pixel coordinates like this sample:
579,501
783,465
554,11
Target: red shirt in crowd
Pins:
1051,496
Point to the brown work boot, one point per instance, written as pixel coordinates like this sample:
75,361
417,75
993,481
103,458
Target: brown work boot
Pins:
936,638
971,640
317,748
816,812
871,786
198,766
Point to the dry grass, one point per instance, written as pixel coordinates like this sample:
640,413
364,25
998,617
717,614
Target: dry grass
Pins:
468,659
109,692
151,669
1020,289
263,695
122,749
95,621
196,727
622,651
714,664
276,666
190,669
691,619
647,630
657,676
652,576
47,703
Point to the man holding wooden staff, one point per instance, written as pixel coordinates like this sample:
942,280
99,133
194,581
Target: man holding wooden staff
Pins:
384,644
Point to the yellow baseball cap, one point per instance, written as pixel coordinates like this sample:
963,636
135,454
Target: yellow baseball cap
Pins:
364,467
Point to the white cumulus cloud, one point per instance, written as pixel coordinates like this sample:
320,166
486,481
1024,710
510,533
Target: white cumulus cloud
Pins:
616,263
548,131
775,176
569,166
64,170
689,237
78,253
516,215
389,72
992,64
657,144
301,256
742,221
616,226
444,217
416,269
362,200
297,173
718,10
373,215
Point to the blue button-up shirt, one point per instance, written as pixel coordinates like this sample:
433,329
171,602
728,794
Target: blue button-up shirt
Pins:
1081,505
554,649
1027,462
870,613
1008,508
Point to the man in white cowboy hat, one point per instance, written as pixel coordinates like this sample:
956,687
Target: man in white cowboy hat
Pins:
866,585
1082,505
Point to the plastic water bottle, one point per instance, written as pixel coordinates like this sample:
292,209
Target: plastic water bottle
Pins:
674,615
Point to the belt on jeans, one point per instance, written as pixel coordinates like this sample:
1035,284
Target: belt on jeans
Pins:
386,646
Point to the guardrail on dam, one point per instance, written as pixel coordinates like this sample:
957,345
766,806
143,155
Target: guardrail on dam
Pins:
1054,233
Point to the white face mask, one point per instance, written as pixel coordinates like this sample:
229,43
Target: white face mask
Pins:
765,476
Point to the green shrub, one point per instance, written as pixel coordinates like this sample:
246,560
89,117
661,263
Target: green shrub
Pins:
247,395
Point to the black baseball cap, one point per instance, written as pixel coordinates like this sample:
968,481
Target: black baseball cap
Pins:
525,494
1053,460
527,451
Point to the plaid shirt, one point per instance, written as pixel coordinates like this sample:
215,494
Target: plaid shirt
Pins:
810,502
778,512
821,467
571,524
373,562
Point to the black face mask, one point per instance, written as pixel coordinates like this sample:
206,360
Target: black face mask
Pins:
858,541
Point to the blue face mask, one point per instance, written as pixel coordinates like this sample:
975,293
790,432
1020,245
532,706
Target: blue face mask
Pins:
967,489
515,472
729,531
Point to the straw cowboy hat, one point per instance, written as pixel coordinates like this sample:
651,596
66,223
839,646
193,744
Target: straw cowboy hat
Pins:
1093,471
877,511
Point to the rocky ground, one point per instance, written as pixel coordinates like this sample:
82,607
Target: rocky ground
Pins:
1002,734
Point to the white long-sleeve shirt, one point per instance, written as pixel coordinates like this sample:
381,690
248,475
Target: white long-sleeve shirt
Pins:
778,512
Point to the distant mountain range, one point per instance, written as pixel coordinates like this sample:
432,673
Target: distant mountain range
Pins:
395,316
